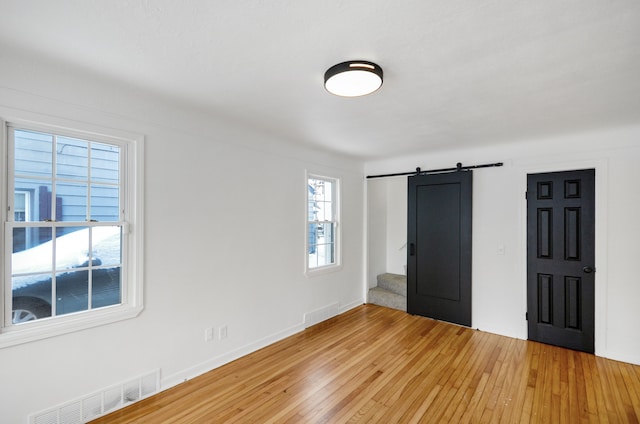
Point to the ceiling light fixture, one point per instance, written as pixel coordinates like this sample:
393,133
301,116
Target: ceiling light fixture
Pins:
353,78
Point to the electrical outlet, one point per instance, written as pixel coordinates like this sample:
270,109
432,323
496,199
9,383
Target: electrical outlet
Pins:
223,332
209,334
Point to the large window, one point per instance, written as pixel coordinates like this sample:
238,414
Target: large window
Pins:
322,222
68,243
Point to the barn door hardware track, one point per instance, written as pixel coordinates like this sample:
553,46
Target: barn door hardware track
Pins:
419,171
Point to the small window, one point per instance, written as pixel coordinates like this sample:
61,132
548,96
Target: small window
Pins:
21,213
68,228
322,222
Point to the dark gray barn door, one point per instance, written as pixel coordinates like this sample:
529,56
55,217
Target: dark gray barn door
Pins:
439,246
560,258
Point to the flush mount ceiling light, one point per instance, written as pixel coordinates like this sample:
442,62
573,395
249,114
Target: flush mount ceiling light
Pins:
353,78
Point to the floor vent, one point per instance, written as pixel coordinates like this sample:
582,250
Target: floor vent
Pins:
100,403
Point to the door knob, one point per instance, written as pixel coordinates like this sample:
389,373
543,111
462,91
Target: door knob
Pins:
587,270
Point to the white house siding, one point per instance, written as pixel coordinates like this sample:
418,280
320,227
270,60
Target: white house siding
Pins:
33,158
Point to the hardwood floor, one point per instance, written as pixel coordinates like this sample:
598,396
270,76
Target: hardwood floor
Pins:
379,365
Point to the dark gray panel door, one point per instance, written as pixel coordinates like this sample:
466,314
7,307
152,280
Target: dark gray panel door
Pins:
560,258
439,246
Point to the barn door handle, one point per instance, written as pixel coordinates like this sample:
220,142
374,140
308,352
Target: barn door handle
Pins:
412,249
587,270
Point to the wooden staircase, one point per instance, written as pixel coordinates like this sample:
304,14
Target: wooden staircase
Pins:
391,291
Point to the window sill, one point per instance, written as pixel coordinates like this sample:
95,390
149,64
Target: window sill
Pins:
43,329
313,272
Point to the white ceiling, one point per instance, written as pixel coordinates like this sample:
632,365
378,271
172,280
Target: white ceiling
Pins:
458,73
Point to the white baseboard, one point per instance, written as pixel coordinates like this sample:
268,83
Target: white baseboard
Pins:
351,305
199,369
316,316
328,311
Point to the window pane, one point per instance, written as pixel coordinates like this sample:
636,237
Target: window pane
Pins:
328,191
313,258
40,198
313,210
313,237
105,160
33,152
325,233
19,239
107,246
106,287
105,203
325,254
31,292
72,248
20,203
72,292
320,199
31,298
71,202
72,158
321,232
325,212
33,251
71,283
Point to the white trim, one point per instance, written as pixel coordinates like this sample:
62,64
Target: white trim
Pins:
132,177
73,129
44,329
336,200
27,205
5,316
218,361
365,239
601,167
351,305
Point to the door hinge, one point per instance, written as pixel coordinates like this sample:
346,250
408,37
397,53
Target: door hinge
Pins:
526,195
526,316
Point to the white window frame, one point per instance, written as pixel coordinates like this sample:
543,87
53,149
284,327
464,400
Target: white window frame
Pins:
27,203
337,263
27,211
132,173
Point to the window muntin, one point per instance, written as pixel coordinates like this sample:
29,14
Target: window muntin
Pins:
70,245
322,221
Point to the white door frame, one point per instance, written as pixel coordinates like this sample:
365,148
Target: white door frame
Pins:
601,167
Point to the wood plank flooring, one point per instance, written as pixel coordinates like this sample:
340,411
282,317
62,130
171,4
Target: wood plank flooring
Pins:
378,365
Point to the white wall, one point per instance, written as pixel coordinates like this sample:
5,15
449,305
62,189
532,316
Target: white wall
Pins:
387,227
397,226
377,234
499,217
224,241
